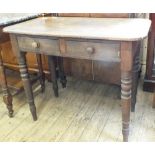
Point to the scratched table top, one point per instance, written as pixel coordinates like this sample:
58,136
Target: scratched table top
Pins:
123,29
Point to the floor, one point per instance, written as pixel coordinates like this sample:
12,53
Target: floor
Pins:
84,111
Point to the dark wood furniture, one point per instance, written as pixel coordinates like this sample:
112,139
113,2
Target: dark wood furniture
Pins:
6,20
85,69
149,79
97,39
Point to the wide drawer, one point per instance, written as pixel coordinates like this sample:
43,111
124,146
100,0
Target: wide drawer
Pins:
40,45
94,50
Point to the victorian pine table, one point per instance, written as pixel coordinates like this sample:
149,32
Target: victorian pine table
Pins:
102,39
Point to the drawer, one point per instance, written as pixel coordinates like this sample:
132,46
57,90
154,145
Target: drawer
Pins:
40,45
94,50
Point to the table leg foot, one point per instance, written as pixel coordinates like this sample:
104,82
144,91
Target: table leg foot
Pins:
125,138
63,81
33,112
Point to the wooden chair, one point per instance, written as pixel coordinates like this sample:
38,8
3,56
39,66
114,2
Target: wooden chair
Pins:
7,96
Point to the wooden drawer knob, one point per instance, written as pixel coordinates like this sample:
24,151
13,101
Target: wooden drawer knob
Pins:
90,50
35,44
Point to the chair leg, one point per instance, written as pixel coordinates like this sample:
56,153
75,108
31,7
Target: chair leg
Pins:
41,73
61,72
7,97
52,68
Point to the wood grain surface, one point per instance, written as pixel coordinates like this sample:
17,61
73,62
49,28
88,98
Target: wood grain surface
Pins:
78,27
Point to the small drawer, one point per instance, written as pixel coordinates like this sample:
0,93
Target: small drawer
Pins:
40,45
95,50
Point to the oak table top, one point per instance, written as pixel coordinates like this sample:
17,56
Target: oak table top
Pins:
120,29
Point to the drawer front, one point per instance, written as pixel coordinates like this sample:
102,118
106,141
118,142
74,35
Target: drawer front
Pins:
106,50
39,45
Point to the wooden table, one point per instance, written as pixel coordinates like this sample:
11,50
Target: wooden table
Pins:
95,39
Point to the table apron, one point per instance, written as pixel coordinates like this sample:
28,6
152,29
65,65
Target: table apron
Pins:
71,48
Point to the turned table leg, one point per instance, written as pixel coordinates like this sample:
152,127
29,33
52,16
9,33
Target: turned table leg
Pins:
41,73
52,68
126,82
27,84
61,72
7,97
126,101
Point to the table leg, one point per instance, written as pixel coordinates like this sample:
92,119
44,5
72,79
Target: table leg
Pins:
7,97
135,76
27,84
126,82
41,73
125,99
61,72
52,68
